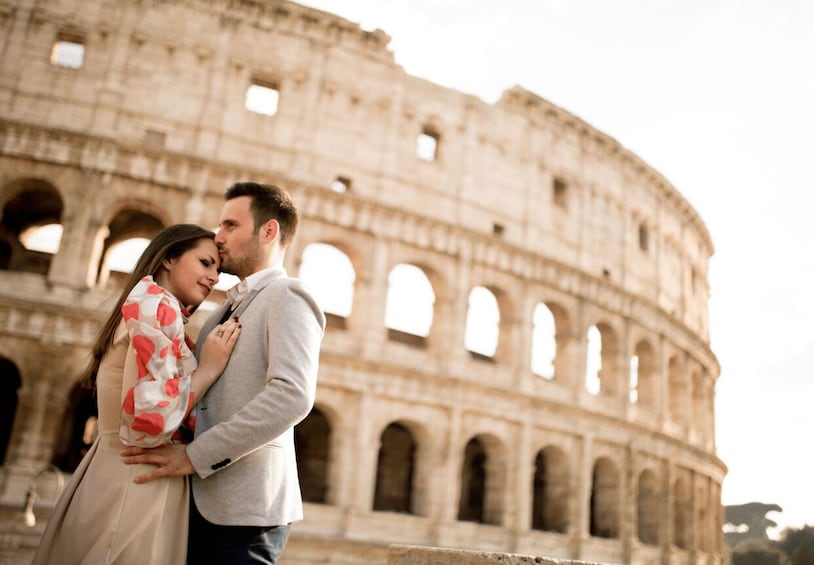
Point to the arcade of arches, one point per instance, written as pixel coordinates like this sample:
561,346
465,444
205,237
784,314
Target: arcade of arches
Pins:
495,481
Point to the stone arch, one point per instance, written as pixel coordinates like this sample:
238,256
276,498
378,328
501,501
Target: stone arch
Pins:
78,429
682,512
602,372
550,491
483,478
483,323
129,220
312,441
10,383
543,341
331,274
647,508
605,499
27,203
564,336
410,303
395,470
609,371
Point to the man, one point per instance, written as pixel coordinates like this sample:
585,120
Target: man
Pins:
245,490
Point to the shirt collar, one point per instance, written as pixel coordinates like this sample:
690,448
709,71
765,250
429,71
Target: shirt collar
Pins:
242,289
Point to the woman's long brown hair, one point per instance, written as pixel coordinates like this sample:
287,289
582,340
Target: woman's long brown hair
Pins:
170,243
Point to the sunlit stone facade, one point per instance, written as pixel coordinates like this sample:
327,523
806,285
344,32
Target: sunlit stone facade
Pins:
551,392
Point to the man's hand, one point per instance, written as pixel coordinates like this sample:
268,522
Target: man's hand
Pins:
171,459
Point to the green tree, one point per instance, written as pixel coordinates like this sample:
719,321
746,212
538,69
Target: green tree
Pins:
758,552
798,544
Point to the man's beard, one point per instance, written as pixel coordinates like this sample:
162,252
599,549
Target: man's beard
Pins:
246,264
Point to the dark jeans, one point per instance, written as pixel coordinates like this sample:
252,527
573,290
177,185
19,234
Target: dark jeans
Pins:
213,544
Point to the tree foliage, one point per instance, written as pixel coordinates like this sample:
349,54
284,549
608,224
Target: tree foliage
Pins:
798,544
758,552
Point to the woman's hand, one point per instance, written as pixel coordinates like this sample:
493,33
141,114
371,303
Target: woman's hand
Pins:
218,347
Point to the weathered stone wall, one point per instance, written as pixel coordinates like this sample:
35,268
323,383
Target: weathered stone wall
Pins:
521,197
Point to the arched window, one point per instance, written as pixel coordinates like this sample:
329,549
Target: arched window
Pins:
647,509
31,229
10,383
543,342
482,323
45,239
471,507
550,491
682,513
119,245
410,301
312,441
331,276
394,470
604,511
594,360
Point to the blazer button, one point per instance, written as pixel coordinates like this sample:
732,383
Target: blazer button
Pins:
220,464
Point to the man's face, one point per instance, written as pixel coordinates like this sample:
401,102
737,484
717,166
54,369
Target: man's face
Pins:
238,244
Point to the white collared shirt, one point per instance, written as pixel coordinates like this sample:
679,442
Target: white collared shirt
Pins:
241,290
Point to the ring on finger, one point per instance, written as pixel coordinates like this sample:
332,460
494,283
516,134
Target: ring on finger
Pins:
220,333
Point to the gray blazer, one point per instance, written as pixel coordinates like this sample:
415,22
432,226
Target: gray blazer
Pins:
243,451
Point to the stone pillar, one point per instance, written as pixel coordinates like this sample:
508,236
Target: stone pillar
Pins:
110,92
34,398
365,457
76,262
343,460
668,522
450,473
370,304
582,484
579,355
523,480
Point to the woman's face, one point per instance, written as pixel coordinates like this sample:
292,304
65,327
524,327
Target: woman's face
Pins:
191,276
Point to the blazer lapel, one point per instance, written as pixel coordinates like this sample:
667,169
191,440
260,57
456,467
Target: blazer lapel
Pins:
212,321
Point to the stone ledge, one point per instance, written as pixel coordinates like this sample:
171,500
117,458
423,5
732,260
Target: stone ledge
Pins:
420,555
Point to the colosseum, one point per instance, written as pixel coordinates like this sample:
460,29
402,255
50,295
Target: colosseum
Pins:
517,356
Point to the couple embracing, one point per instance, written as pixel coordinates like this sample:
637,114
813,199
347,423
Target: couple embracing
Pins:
251,379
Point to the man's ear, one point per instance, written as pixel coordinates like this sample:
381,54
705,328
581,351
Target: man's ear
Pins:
270,230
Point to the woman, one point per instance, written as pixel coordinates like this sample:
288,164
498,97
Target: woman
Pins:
147,381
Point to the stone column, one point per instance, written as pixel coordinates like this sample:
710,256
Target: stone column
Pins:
450,477
76,262
581,486
365,458
370,303
523,477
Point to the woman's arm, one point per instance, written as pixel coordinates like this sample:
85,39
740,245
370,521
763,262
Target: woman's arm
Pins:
165,391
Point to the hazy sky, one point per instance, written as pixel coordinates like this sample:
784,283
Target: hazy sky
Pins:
718,96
